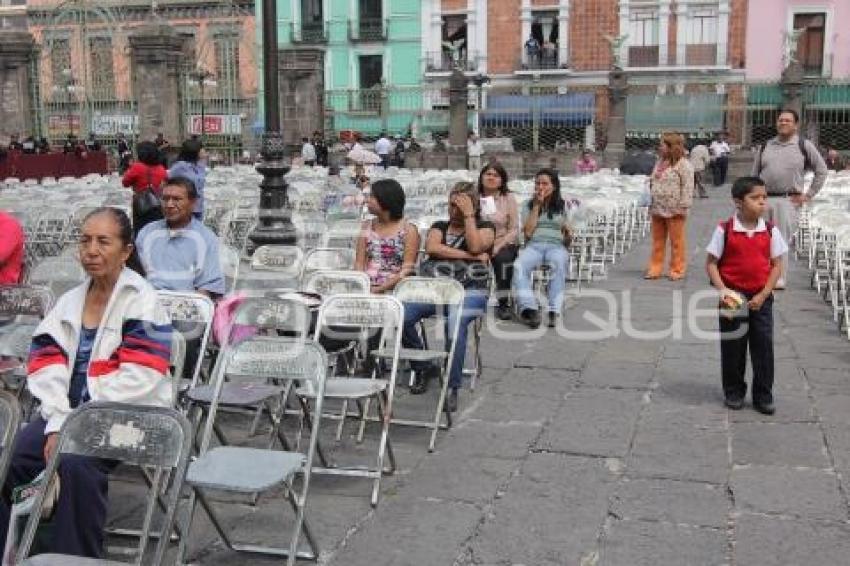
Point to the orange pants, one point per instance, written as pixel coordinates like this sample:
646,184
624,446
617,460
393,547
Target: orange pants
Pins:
662,228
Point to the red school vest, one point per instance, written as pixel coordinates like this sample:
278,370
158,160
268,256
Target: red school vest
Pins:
745,265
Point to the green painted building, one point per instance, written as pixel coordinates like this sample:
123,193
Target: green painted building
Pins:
370,55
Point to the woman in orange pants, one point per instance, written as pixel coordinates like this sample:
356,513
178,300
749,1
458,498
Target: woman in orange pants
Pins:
672,192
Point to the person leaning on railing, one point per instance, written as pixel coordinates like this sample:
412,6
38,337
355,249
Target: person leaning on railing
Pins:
105,340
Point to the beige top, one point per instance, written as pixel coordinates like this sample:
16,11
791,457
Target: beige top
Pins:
505,219
671,188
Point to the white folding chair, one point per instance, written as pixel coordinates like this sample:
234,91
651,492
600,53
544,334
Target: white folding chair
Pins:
223,468
152,438
364,314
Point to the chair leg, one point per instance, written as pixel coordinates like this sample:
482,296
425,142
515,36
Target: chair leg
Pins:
213,518
301,525
364,414
390,453
343,413
441,401
382,446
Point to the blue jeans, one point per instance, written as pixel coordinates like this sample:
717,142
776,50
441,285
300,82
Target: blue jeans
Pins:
532,256
474,306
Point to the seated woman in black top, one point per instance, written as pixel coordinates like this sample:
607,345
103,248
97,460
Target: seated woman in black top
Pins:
458,248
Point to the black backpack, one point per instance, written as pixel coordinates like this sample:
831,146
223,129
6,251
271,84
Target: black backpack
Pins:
801,143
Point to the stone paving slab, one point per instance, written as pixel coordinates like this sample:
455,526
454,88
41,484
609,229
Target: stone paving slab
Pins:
613,448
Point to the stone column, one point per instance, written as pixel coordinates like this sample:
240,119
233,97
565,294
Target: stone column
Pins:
792,87
17,52
618,88
302,84
458,119
156,55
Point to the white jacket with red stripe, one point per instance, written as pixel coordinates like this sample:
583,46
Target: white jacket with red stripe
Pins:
129,358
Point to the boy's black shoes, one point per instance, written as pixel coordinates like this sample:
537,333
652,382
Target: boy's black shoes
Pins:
734,404
765,408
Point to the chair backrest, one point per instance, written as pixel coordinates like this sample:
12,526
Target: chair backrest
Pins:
429,290
270,357
274,314
10,422
333,259
283,259
192,316
328,283
60,274
24,300
177,363
229,259
142,436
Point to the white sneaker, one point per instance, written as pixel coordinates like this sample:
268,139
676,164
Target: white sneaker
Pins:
780,285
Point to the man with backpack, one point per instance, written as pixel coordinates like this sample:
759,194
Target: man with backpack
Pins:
782,162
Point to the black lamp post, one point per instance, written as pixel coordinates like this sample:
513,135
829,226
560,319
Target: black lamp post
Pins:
275,225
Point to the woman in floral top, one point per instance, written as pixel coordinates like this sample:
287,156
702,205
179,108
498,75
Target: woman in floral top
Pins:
672,192
388,245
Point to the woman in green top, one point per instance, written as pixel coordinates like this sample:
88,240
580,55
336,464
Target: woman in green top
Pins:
547,235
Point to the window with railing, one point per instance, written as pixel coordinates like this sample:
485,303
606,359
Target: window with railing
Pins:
371,69
643,38
541,47
701,48
370,22
60,65
810,44
102,68
454,41
312,22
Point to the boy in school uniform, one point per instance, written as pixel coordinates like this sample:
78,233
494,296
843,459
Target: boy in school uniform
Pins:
744,262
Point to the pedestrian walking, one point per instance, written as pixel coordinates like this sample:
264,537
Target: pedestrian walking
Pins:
720,151
308,152
383,147
744,263
700,158
671,192
321,148
782,163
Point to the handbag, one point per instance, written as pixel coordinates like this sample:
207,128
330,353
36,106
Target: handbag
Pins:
146,201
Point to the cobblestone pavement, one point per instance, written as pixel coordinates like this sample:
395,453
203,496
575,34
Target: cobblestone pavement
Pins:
615,451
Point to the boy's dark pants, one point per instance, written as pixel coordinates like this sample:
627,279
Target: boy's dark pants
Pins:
755,330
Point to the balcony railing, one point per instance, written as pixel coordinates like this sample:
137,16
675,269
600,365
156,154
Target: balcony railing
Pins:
691,55
545,59
367,29
309,32
441,62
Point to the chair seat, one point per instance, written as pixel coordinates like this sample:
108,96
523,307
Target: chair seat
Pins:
67,560
239,395
246,470
413,354
347,388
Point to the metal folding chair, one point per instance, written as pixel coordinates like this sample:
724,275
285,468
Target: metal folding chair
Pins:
323,259
21,308
444,293
274,267
10,423
60,274
223,468
153,438
257,315
366,314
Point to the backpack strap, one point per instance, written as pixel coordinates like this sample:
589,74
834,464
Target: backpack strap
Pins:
807,162
761,153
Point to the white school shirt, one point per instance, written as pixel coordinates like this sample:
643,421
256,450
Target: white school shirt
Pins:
778,246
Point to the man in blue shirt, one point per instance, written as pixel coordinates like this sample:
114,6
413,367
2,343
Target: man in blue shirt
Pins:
179,253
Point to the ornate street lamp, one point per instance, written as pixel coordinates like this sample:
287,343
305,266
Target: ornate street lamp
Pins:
275,225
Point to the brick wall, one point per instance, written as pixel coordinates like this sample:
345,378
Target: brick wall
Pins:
504,42
590,21
738,33
453,5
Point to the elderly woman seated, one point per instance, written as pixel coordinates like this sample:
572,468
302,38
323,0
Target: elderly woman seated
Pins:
105,340
458,248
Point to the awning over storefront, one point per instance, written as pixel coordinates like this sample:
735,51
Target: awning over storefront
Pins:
517,110
764,95
827,96
697,112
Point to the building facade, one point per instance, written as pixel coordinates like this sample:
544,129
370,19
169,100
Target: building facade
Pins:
541,66
85,73
366,53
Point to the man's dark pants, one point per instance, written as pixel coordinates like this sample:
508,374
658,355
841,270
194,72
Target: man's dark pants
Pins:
756,332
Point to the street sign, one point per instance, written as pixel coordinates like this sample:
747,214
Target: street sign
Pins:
111,124
216,124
